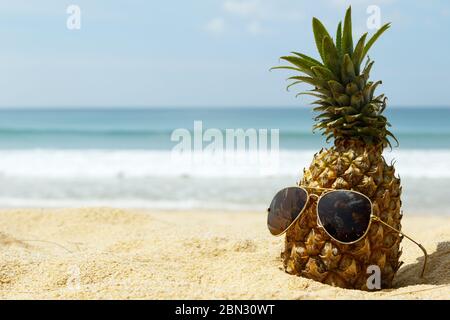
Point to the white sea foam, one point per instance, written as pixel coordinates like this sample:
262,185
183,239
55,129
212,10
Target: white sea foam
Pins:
154,179
64,164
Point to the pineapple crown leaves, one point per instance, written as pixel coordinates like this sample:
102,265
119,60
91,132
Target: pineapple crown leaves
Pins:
346,102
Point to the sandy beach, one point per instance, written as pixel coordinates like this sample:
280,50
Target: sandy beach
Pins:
102,253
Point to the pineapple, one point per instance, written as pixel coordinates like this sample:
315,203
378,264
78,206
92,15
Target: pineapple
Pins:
352,116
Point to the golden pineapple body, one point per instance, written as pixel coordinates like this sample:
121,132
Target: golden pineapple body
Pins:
311,253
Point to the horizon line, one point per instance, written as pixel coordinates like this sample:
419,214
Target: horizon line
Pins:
154,107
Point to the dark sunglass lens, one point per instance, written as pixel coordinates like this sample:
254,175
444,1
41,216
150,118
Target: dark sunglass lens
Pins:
345,215
285,208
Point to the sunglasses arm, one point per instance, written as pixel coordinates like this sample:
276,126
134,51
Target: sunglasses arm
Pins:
318,188
406,236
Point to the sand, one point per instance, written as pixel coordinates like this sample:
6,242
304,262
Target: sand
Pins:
101,253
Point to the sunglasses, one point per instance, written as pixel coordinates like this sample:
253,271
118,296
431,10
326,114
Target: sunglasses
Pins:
344,215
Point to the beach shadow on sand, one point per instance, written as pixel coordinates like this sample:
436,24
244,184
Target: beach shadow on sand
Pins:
437,271
7,240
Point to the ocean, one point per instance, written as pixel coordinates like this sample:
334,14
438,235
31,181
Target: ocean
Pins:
124,158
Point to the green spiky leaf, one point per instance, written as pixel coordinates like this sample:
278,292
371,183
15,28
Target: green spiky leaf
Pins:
345,110
299,63
352,118
388,133
321,108
347,38
357,54
342,99
331,56
313,81
336,87
366,71
324,73
351,88
293,84
347,69
320,32
371,89
335,123
312,61
374,38
357,100
313,94
287,68
339,39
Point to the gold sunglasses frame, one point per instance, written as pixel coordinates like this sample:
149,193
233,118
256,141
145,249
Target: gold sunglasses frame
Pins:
326,191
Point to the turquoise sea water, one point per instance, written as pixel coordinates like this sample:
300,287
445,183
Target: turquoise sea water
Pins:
150,129
122,157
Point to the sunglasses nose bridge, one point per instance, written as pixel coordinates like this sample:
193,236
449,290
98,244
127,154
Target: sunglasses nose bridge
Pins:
314,196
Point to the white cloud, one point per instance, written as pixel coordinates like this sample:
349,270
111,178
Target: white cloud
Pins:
243,8
255,28
268,10
346,3
253,16
216,25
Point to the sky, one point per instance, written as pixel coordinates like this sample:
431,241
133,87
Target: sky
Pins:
205,53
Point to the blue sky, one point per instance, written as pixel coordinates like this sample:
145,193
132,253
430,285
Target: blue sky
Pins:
205,52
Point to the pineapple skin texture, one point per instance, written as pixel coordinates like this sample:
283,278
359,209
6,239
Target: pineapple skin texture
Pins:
311,253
